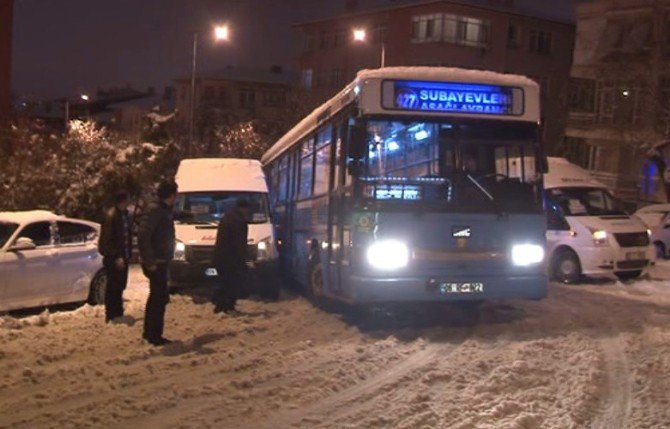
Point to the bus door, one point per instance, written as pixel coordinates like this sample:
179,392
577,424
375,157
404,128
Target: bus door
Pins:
337,236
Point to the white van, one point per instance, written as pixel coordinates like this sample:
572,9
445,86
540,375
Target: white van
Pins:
208,188
588,233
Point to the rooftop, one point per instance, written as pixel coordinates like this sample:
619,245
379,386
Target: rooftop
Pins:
275,75
531,8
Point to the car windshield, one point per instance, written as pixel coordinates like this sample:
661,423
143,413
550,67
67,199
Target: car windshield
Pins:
6,231
209,207
469,164
585,202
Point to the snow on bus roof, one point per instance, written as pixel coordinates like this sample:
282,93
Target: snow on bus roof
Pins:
438,74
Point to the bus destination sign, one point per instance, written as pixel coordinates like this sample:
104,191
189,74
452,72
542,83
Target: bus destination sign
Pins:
452,98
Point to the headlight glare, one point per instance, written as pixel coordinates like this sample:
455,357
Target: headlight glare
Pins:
599,237
524,255
179,251
388,255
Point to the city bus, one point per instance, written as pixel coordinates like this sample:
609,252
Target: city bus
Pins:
414,184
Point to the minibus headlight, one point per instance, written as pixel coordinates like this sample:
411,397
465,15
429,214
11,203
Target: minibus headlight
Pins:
527,254
599,237
388,255
179,251
263,248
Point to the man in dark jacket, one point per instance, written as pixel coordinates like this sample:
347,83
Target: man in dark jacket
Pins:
230,256
156,242
115,245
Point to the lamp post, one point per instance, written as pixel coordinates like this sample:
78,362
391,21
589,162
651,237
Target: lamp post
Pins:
83,97
360,36
221,33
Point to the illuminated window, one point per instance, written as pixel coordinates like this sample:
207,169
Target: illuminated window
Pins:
427,28
307,78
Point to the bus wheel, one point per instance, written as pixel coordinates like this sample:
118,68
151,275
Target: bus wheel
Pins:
316,289
566,267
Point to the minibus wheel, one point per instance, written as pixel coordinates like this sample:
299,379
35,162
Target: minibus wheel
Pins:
566,267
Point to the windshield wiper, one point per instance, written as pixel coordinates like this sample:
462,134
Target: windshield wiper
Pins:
496,206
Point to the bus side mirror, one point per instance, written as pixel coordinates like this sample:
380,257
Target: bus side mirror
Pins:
359,139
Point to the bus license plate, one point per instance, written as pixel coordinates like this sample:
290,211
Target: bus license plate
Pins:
211,272
634,256
447,287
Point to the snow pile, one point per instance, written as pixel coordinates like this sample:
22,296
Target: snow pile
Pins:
590,355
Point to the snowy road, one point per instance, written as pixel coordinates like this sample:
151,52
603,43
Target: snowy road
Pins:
594,355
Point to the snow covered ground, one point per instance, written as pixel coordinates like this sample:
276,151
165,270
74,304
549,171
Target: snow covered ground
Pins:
594,355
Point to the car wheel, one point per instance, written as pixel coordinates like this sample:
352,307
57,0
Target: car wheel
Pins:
660,250
566,267
628,275
96,295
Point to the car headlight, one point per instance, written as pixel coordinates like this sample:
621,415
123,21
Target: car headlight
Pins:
179,251
527,254
388,255
599,237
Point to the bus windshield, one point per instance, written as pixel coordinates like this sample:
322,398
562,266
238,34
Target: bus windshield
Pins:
209,207
585,202
465,163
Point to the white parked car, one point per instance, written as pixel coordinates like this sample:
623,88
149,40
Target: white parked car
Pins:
657,219
46,259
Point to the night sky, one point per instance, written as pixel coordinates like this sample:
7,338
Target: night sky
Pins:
64,47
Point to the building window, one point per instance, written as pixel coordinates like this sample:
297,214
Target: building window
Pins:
274,99
540,42
427,28
340,38
620,103
247,99
309,42
513,36
337,78
460,30
306,78
581,96
324,40
380,34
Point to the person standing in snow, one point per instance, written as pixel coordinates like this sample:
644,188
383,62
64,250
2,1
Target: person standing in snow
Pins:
115,245
230,256
156,243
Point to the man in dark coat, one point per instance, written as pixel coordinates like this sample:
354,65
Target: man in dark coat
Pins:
230,256
156,242
115,245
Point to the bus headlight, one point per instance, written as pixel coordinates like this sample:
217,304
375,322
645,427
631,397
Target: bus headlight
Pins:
524,255
388,255
179,251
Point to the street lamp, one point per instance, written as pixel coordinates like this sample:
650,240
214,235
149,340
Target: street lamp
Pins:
83,97
221,34
360,36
